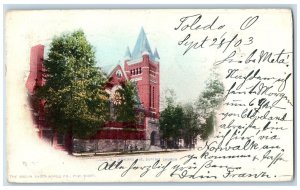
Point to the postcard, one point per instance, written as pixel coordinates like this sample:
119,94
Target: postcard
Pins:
149,95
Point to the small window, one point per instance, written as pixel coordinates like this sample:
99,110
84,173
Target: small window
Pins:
140,70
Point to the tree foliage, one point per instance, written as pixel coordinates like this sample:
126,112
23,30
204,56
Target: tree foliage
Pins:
209,100
211,97
192,127
190,120
74,92
125,111
207,127
179,122
171,121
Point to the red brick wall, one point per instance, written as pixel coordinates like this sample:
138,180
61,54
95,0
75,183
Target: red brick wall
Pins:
36,66
147,80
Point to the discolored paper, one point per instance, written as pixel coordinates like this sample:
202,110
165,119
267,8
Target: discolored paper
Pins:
249,50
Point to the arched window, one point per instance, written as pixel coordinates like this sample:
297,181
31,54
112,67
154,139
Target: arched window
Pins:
150,98
152,138
119,74
153,96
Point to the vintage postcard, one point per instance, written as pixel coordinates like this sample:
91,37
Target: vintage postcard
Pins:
149,95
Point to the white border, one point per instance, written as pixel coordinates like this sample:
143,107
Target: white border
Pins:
78,4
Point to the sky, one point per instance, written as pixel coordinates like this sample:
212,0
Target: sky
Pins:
111,31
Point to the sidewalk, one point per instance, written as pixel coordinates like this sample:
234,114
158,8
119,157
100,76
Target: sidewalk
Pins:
128,153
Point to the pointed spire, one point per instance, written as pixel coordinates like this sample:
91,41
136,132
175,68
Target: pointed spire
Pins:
142,46
145,51
127,54
155,54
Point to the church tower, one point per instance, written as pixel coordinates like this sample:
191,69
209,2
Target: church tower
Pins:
142,66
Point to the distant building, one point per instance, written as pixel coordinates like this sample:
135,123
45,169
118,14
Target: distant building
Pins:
142,67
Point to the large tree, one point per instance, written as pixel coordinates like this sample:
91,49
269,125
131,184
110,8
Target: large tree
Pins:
207,127
171,122
208,102
74,94
189,121
191,124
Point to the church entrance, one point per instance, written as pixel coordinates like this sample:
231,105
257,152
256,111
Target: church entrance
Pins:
152,138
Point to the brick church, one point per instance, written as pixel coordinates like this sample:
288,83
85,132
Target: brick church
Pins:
141,66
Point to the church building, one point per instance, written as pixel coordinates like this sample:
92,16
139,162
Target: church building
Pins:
141,67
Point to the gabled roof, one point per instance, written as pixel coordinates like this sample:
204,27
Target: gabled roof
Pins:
142,46
114,68
107,69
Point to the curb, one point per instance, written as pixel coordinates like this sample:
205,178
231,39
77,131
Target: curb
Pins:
125,153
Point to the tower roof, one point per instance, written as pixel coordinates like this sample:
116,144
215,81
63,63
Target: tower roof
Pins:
155,54
141,46
127,53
